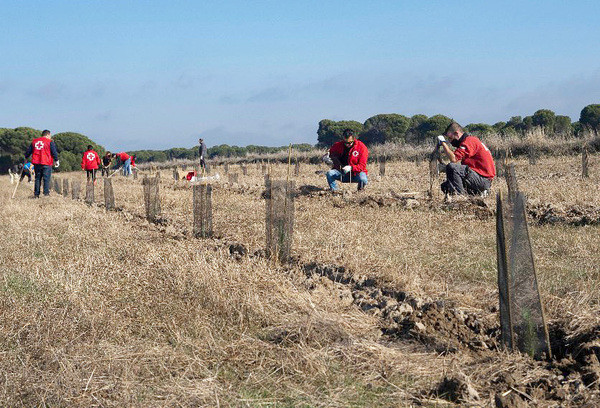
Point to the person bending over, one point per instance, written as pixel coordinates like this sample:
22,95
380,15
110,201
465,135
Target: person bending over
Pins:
125,160
349,157
471,168
27,171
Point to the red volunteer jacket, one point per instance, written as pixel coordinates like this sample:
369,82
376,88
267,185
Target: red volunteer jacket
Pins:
90,160
357,156
41,153
473,153
123,156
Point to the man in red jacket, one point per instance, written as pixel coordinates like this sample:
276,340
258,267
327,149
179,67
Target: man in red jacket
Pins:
43,154
349,158
471,168
90,162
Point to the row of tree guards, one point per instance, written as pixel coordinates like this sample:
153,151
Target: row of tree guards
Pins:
533,154
279,208
381,162
522,317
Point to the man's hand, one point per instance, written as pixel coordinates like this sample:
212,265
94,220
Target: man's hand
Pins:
57,164
441,139
346,169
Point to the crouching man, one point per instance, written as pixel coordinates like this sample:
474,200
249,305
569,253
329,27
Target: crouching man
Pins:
471,168
349,157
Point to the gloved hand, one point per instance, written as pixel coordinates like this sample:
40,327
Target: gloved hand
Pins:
57,164
346,169
441,139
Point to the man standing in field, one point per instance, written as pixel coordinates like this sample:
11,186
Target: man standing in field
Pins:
90,162
471,168
349,157
43,154
106,161
202,152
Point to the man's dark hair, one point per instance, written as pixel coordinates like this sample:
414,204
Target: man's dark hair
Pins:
453,127
45,132
90,147
347,133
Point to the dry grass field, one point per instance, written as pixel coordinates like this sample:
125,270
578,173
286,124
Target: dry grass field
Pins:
387,302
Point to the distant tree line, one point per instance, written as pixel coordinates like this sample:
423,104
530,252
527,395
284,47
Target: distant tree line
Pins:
417,129
223,150
377,129
71,146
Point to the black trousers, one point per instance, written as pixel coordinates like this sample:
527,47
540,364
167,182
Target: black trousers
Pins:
91,174
460,179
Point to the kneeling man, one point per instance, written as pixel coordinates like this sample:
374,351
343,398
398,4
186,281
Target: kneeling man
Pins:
471,168
349,158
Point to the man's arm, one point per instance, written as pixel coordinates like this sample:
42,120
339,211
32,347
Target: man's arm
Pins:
53,150
337,163
29,151
335,155
449,152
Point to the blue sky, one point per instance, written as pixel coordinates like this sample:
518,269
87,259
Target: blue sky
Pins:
160,74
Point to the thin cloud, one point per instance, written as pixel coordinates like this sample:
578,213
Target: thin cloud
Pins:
103,116
4,86
272,94
229,100
184,81
50,91
566,97
221,135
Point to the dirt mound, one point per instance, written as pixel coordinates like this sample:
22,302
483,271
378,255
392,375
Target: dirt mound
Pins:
571,379
412,200
457,389
577,215
309,190
438,324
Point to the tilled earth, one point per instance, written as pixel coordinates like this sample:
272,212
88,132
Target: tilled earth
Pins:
571,378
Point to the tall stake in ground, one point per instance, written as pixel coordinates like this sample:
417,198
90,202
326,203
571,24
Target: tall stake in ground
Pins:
584,163
109,195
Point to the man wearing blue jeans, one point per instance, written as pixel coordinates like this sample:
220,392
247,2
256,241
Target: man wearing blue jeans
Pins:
43,156
349,157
